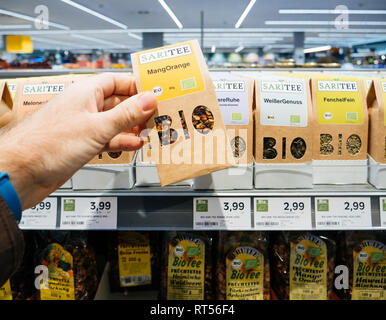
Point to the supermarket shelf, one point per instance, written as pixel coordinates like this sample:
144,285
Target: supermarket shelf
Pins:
4,74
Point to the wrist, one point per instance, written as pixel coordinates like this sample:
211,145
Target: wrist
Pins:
10,196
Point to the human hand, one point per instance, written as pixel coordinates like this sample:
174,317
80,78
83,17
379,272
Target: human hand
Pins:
46,148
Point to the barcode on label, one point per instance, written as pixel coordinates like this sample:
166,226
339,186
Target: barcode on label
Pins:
328,223
207,224
73,222
267,223
144,279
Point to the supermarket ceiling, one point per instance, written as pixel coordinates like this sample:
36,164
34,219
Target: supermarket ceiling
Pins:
118,24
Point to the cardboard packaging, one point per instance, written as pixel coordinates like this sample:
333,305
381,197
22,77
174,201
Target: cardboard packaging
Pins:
283,131
6,104
107,171
187,132
340,130
235,98
376,101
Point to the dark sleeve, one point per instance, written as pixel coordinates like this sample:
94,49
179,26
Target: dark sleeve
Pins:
11,243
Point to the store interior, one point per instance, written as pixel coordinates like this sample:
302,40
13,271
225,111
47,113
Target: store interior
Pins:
298,213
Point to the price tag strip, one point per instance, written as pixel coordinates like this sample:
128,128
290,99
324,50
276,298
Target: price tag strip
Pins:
41,216
89,213
221,213
282,213
343,213
382,209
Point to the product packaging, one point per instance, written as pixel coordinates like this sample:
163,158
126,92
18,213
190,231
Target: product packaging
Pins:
340,130
134,261
6,104
187,266
72,269
235,98
376,100
187,132
364,253
242,268
283,131
303,265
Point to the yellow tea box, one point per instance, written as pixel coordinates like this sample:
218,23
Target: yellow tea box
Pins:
187,132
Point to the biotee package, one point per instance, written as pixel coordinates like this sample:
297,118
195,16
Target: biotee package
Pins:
340,130
187,132
6,104
283,131
376,100
235,98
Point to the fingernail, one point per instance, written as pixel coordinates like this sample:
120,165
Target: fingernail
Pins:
147,101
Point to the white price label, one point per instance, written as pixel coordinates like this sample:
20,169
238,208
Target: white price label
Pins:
41,216
382,207
89,213
343,213
222,213
282,213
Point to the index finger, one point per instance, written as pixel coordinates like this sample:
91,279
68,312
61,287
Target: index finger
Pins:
114,83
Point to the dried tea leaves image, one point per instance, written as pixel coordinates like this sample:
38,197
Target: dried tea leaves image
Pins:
353,144
202,119
298,148
114,155
166,134
325,144
238,146
269,152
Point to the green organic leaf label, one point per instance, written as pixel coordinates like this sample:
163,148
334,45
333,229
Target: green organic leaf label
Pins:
314,252
250,263
295,119
377,257
188,84
262,205
69,205
323,205
202,205
192,251
384,204
352,116
236,116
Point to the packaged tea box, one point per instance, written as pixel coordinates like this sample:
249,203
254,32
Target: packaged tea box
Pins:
187,266
187,132
134,260
71,264
6,104
283,133
302,265
364,254
376,100
242,267
340,130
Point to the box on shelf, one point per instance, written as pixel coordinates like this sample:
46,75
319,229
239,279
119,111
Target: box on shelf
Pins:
6,104
146,171
283,131
340,130
107,171
376,100
187,132
235,98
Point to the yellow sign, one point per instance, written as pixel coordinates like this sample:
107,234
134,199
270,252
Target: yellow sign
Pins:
19,44
170,71
339,101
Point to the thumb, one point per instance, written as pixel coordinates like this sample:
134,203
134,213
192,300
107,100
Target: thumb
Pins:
129,113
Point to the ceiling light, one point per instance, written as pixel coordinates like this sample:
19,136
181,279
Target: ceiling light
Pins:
349,22
94,13
317,49
213,49
32,19
135,36
171,13
244,14
317,11
238,49
14,26
97,40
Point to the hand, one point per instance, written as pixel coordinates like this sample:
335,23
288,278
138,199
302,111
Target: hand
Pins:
46,148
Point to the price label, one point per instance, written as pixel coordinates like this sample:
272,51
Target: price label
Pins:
382,206
89,213
41,216
222,213
282,213
346,213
